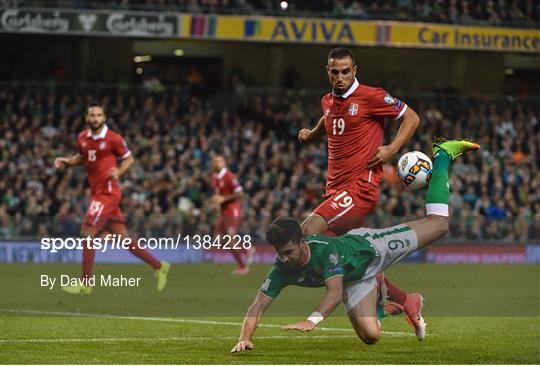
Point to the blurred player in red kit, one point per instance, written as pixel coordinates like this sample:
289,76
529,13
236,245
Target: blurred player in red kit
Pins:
353,119
228,193
99,150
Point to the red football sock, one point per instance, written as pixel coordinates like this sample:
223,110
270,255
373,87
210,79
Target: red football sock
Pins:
143,254
87,261
395,294
239,256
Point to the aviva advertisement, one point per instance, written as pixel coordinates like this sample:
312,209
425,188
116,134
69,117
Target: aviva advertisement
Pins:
368,33
290,30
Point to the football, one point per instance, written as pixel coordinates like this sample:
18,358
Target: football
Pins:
414,169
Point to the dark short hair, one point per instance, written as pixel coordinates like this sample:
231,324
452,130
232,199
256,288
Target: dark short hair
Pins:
341,53
93,104
282,231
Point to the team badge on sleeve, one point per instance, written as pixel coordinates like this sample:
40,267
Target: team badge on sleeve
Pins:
388,99
334,258
353,109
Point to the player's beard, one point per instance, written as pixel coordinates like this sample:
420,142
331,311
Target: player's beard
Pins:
95,129
341,91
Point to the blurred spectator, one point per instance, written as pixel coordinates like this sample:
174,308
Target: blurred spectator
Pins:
339,9
356,11
493,12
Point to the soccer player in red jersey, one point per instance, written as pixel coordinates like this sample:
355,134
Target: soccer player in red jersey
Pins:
228,195
99,150
353,118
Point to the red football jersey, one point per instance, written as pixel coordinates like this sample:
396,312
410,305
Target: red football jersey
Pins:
225,184
100,154
354,126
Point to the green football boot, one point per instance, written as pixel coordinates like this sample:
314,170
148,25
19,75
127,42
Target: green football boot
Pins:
78,290
453,148
161,275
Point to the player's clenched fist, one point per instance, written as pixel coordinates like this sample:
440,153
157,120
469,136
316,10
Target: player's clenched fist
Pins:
303,135
59,163
303,326
218,199
242,346
383,154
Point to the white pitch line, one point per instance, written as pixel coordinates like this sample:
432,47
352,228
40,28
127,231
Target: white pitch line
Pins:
75,340
178,320
167,339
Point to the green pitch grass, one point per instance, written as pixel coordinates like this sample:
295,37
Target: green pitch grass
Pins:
475,314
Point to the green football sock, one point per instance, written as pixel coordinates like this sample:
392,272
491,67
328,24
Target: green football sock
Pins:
438,193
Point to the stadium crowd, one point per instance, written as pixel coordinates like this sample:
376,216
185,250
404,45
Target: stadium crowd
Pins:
492,12
495,194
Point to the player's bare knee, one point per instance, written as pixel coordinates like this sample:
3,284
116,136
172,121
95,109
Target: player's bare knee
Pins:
440,223
307,227
370,341
370,337
369,334
443,225
304,226
314,224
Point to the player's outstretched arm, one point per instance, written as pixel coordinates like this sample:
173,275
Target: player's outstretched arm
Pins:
251,321
331,299
306,135
409,124
62,162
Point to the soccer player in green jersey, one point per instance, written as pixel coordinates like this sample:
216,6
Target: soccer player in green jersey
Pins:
348,264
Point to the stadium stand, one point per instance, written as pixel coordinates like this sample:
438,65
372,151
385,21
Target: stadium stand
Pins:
522,13
495,194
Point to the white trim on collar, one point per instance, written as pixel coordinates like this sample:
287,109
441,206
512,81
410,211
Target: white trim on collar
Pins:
351,90
221,173
101,135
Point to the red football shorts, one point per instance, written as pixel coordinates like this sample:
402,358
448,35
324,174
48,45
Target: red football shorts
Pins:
346,208
227,225
104,211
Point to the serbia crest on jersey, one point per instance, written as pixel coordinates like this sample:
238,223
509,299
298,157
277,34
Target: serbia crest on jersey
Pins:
353,109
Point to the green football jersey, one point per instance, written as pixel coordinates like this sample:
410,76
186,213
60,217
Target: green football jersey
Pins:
346,255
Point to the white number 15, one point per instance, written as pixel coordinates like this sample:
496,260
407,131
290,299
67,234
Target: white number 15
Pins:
91,155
